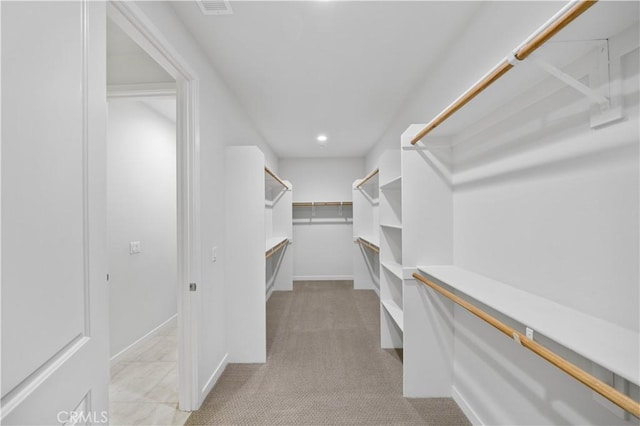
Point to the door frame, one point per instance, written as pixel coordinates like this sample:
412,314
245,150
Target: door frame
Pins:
136,25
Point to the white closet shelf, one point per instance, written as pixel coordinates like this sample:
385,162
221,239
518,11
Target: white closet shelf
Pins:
393,267
614,347
388,225
370,240
395,183
274,241
323,220
395,311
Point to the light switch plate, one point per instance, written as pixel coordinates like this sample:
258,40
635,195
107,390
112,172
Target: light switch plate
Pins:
134,247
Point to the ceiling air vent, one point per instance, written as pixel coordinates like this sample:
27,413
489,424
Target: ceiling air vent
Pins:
215,7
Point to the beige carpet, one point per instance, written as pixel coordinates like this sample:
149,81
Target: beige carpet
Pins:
324,367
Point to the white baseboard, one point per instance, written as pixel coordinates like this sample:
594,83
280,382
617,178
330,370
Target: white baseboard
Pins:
213,379
322,277
115,357
466,408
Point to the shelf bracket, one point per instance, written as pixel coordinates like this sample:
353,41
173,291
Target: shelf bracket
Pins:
616,382
600,76
340,209
601,100
313,209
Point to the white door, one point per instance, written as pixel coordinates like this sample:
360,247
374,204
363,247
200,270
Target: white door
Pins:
54,291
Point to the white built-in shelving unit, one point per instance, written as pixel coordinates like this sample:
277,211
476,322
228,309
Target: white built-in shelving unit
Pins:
366,237
258,233
494,212
278,233
322,212
427,221
391,275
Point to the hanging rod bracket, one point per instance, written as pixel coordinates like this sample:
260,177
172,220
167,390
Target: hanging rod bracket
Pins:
513,59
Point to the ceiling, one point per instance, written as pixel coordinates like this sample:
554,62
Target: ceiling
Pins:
342,69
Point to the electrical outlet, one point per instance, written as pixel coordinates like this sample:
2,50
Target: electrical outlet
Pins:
134,247
214,254
529,333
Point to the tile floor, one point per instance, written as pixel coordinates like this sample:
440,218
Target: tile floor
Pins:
144,382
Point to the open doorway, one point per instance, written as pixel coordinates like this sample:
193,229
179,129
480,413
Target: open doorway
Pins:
143,235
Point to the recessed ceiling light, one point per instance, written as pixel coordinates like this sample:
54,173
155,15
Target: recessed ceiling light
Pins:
322,138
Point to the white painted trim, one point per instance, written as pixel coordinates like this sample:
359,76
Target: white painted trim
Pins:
116,356
465,407
3,408
20,393
130,18
151,90
214,378
322,277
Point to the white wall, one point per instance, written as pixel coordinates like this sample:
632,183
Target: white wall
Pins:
553,211
322,249
141,206
223,122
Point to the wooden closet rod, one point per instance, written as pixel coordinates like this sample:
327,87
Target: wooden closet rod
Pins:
273,175
537,39
367,178
368,245
275,249
322,203
612,394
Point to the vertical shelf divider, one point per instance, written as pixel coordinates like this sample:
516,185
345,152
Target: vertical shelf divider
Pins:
390,231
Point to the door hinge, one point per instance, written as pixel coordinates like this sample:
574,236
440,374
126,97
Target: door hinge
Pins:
192,287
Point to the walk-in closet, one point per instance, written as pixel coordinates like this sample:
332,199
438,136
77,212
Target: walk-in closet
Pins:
320,212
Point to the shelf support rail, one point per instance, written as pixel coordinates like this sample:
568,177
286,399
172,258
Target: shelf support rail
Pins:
615,396
550,28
